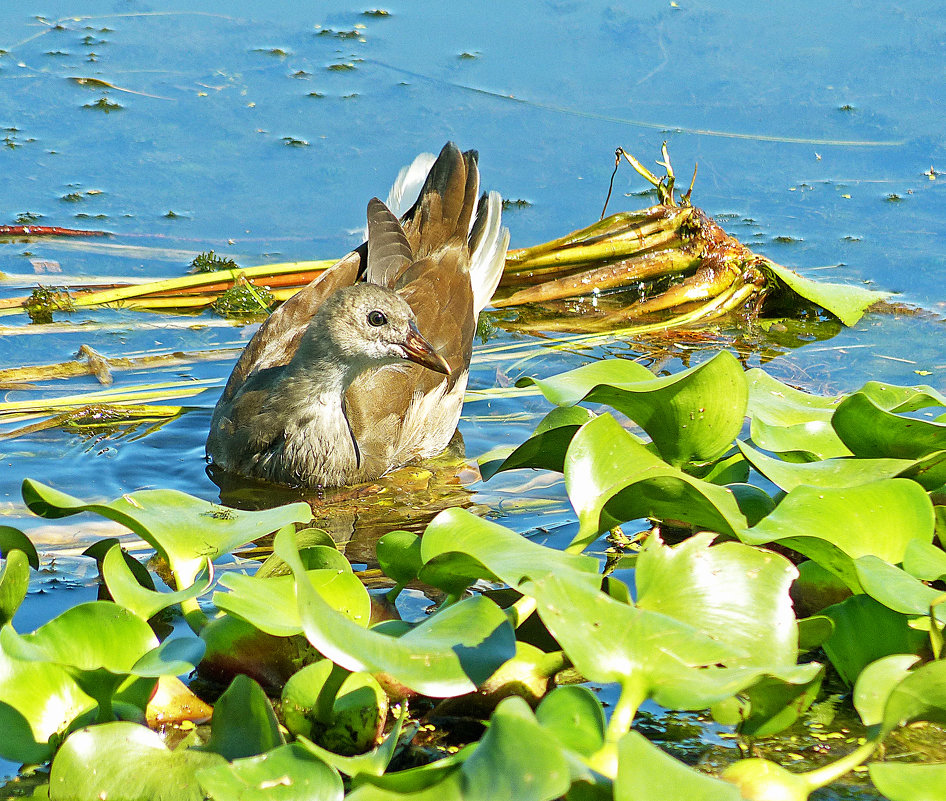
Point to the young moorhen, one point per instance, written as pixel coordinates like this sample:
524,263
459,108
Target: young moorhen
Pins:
364,370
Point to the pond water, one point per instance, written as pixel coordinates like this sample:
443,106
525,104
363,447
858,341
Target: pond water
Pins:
261,131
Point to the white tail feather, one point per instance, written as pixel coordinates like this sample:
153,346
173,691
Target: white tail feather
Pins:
409,182
489,257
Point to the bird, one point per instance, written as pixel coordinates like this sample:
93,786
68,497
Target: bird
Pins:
364,370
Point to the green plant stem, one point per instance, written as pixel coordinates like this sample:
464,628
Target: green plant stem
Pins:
521,610
325,704
194,615
633,694
835,770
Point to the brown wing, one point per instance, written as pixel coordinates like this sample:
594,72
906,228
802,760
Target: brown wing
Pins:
277,339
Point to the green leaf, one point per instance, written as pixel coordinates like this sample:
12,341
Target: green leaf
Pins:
14,583
924,561
612,478
500,767
730,591
286,773
645,773
909,782
847,303
14,539
896,589
691,417
503,554
270,603
876,682
126,591
850,651
921,695
38,701
788,421
399,557
124,761
574,716
353,713
834,473
243,723
871,431
572,387
448,654
185,530
835,526
317,550
546,448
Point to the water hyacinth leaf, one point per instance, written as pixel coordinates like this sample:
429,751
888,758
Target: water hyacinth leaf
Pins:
173,657
813,632
876,682
908,781
788,421
921,695
835,473
612,478
126,761
14,583
895,398
438,781
691,417
772,704
873,432
924,561
373,763
38,700
14,539
508,556
448,654
270,603
730,591
731,469
99,550
890,633
572,387
666,659
399,557
126,590
243,723
646,773
286,773
546,448
346,719
847,303
754,502
500,767
185,530
832,526
313,545
573,714
898,590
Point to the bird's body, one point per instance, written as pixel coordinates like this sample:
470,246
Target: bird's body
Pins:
325,394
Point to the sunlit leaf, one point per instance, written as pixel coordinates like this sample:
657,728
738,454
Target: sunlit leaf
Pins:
921,695
871,431
898,590
612,478
185,530
645,773
900,781
924,561
791,422
270,603
14,583
836,472
286,773
691,416
835,526
875,683
846,302
574,715
124,761
448,654
125,590
399,557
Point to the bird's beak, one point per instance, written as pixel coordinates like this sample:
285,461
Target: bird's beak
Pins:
420,351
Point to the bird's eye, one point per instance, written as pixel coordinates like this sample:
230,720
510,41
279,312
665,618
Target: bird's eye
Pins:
377,318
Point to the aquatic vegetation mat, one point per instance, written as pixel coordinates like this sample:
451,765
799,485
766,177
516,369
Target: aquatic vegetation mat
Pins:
745,604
